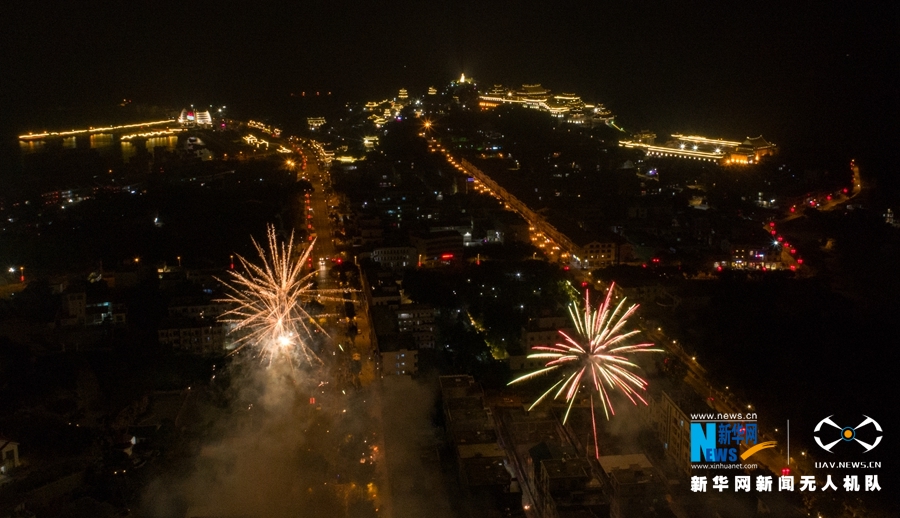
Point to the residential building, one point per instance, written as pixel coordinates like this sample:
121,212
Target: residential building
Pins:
194,307
371,232
759,256
667,415
470,428
544,331
635,487
104,312
567,486
9,455
78,310
400,362
602,252
418,321
199,336
395,257
438,246
385,296
640,289
74,307
524,363
547,449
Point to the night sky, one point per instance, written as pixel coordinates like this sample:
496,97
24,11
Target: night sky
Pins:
809,75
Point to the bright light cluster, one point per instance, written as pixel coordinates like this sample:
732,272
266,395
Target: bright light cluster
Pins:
37,136
597,357
269,302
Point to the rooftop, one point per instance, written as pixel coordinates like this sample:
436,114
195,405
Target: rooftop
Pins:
475,437
609,463
567,468
548,450
460,385
486,471
468,451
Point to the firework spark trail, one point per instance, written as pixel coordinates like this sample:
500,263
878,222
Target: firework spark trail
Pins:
596,356
268,302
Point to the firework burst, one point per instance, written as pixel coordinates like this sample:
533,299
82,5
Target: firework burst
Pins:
269,302
596,358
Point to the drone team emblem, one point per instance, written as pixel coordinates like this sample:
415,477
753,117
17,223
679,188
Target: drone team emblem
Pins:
848,433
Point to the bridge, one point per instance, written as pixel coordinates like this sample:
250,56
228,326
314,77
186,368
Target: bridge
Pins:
536,221
123,131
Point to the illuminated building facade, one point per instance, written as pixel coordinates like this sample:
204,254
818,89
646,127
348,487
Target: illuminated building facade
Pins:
567,107
204,118
534,96
191,118
601,252
315,122
751,150
265,128
385,107
755,257
694,147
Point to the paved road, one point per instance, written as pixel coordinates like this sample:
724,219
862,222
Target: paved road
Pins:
318,206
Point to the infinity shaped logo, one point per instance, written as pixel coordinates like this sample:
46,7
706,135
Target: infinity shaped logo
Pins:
848,433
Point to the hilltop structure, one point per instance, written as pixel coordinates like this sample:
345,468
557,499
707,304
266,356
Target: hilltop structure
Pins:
565,106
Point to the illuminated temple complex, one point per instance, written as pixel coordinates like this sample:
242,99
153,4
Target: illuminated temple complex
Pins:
566,106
